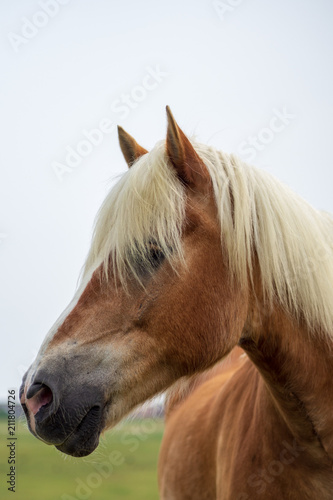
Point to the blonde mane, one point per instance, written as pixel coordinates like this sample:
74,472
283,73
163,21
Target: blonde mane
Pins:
259,216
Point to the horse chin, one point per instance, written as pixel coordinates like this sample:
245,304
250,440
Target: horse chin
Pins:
85,438
77,446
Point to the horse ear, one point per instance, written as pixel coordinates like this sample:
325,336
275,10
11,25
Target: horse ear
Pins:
189,167
129,147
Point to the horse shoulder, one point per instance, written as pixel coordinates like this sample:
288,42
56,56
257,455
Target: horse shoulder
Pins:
190,446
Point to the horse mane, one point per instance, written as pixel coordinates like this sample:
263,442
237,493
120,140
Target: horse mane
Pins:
260,219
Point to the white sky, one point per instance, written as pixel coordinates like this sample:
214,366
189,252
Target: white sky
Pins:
225,77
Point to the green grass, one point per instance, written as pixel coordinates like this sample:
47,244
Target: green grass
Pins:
124,466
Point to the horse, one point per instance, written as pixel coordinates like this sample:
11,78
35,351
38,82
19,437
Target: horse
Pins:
194,254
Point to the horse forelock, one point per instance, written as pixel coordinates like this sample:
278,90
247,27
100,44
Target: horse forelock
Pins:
259,216
146,205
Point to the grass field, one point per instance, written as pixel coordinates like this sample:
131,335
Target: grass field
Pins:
124,466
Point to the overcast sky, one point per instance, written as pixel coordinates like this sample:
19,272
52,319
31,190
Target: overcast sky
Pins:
253,77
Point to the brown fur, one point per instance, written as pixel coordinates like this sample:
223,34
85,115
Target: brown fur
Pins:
265,431
183,388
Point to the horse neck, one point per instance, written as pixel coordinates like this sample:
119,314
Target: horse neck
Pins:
295,367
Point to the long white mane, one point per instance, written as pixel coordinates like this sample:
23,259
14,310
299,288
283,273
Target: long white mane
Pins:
260,218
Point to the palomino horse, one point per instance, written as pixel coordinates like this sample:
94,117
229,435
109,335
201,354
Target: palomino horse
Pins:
194,253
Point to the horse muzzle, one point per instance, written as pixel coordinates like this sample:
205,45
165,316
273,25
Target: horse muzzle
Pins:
60,414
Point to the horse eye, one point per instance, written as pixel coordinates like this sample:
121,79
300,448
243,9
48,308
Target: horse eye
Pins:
149,260
156,255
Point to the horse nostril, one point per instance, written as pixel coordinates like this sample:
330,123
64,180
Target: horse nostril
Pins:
33,389
38,395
